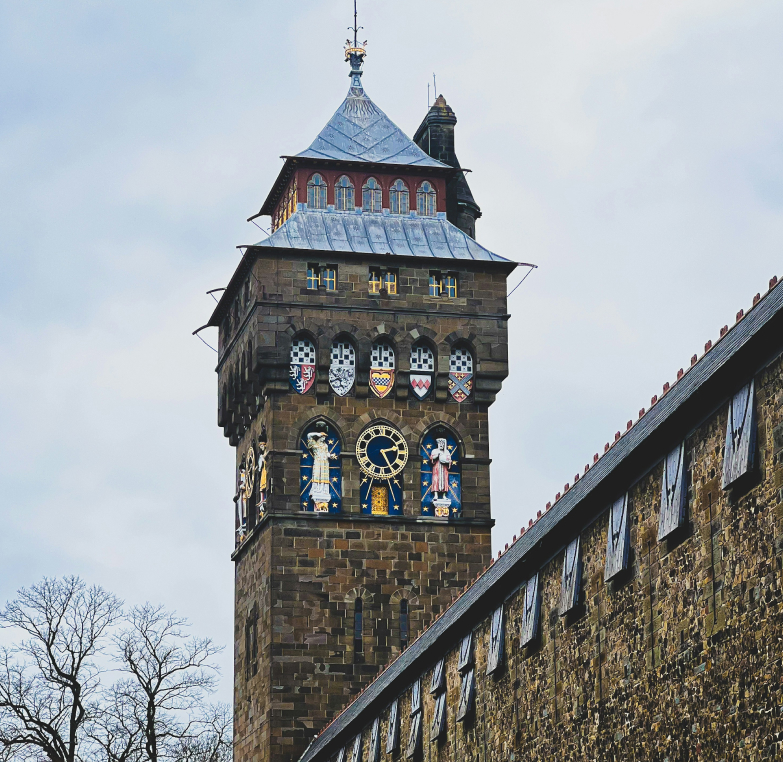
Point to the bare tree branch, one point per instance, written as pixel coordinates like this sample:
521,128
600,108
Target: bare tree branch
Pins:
172,673
48,681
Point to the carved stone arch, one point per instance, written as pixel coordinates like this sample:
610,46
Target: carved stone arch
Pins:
426,422
466,338
378,416
445,424
310,416
415,616
359,592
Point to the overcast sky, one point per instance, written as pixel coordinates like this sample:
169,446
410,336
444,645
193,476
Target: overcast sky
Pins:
633,150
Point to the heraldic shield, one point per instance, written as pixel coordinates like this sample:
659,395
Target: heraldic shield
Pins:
460,386
302,377
381,381
421,383
341,379
302,370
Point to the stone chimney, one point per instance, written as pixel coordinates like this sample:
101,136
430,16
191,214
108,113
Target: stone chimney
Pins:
435,137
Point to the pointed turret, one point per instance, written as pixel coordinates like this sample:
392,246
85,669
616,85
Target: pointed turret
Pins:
435,136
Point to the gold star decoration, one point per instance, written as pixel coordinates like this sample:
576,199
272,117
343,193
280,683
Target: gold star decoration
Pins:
331,441
304,477
396,507
334,478
425,483
364,481
364,506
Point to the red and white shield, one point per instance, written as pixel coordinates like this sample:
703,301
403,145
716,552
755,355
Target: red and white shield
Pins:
421,383
460,386
302,377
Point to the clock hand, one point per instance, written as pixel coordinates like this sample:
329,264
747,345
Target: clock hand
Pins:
388,449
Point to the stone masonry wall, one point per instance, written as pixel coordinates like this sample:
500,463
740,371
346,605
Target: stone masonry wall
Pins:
682,661
316,569
301,571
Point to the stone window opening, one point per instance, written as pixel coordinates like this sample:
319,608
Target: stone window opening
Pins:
426,200
321,276
344,195
443,284
316,192
399,198
372,196
404,624
382,281
251,644
358,627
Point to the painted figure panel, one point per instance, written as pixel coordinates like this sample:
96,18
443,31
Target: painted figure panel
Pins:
441,483
320,469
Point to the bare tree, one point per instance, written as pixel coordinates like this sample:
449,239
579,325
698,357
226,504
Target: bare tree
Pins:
115,730
213,740
171,674
48,681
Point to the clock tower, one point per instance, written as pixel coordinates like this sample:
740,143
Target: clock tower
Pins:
360,347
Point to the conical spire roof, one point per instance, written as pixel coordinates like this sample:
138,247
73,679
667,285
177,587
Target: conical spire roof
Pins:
360,131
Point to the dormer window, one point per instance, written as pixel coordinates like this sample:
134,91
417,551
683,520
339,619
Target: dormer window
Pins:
399,202
426,200
371,196
344,195
316,192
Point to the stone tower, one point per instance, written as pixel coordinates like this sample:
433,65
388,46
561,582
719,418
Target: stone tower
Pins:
360,347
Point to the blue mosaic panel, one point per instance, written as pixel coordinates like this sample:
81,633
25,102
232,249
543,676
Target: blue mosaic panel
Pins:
320,449
428,451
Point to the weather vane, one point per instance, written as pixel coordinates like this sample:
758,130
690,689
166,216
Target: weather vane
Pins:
354,49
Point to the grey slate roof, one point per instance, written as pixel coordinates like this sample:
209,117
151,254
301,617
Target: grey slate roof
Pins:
385,233
508,571
360,131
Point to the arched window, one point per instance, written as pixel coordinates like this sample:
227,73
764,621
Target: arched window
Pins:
399,201
441,481
342,371
371,196
344,195
382,368
460,374
316,192
358,625
422,368
320,469
302,370
426,200
404,624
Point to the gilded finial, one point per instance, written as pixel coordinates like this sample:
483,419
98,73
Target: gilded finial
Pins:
354,52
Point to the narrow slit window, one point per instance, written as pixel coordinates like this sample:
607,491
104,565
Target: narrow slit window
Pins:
404,625
358,615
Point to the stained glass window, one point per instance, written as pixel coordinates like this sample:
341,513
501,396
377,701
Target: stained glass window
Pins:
375,281
435,284
422,359
371,196
313,276
450,286
390,282
426,200
344,195
316,192
399,202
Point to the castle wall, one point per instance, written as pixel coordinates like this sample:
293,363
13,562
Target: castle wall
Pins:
680,659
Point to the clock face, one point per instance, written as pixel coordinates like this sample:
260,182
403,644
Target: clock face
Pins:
381,451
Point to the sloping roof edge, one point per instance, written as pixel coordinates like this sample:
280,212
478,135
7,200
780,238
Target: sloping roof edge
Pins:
508,572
